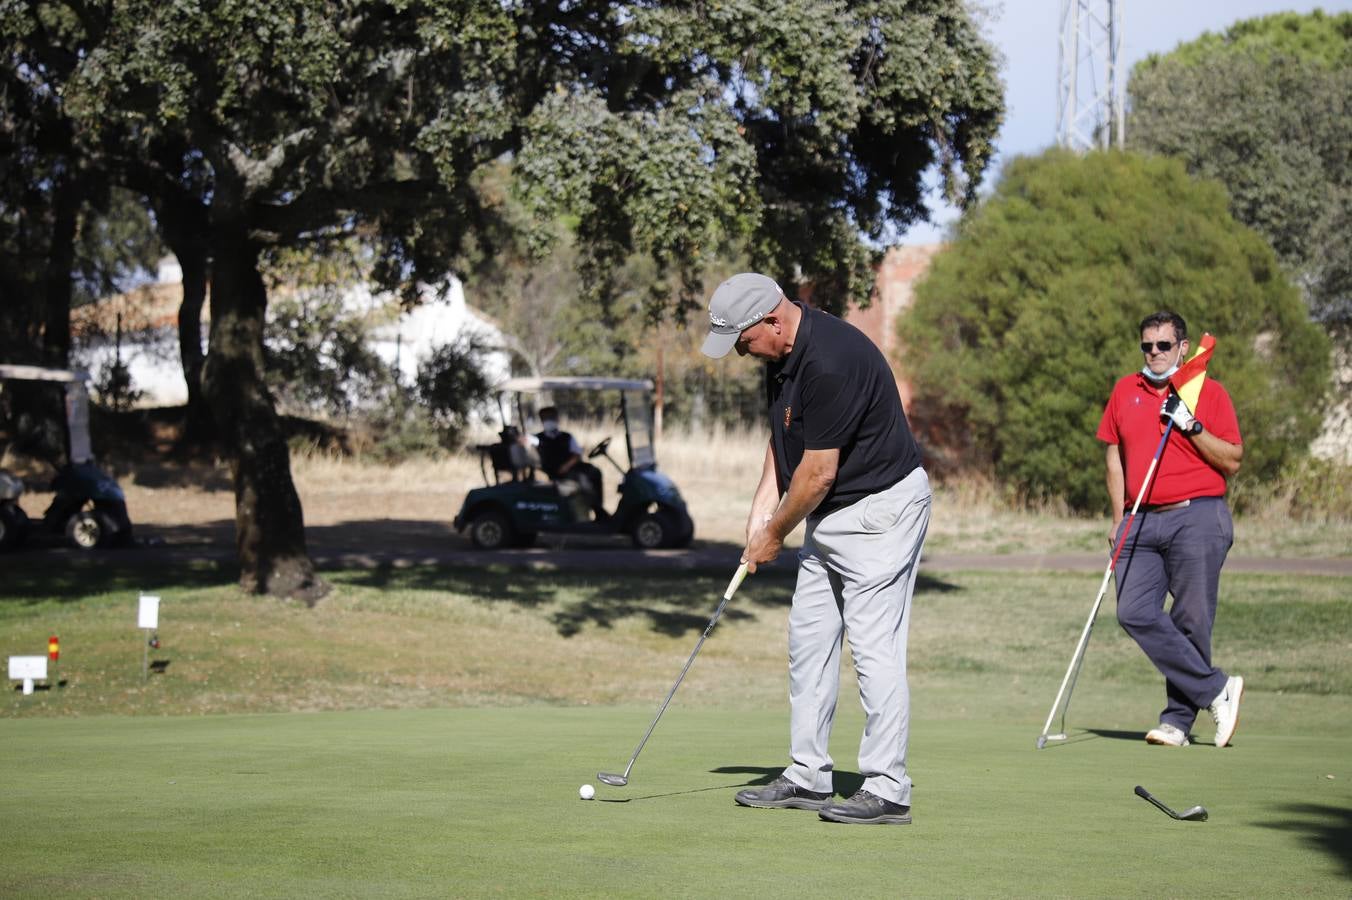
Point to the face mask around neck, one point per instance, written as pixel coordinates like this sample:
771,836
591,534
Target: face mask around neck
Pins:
1162,377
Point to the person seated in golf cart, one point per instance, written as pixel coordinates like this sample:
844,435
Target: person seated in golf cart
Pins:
561,458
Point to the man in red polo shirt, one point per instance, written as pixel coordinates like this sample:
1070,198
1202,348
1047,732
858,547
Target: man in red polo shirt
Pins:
1182,531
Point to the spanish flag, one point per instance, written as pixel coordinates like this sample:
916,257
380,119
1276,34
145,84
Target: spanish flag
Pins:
1188,380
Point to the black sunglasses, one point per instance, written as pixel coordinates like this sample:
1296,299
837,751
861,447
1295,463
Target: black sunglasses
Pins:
1161,346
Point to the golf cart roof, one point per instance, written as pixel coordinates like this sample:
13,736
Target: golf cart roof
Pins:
575,383
74,384
38,373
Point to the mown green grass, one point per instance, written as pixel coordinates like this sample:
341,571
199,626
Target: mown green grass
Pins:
431,637
483,802
423,732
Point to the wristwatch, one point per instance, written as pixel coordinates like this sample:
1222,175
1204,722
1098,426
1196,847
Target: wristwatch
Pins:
1196,428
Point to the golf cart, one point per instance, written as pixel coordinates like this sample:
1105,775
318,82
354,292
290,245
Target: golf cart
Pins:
88,507
512,508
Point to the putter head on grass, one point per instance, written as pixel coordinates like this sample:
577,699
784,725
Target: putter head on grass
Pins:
612,779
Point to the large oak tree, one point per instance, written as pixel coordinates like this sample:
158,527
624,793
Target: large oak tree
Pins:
802,129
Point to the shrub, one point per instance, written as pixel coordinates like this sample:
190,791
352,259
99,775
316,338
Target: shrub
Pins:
1023,325
452,386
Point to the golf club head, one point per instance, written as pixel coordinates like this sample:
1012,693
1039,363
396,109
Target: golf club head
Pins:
1195,814
621,781
1043,739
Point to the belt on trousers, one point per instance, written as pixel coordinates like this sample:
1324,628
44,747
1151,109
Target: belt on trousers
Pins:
1164,507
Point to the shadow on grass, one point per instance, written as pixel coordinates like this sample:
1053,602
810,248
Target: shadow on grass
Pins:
597,586
1088,735
1117,735
99,573
843,782
1327,829
674,602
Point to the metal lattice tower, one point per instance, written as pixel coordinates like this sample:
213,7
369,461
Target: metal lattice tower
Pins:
1089,84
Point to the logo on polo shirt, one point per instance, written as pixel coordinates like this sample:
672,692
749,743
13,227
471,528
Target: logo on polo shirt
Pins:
788,415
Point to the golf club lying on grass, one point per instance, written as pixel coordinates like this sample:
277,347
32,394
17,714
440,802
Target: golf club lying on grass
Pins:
1196,814
621,780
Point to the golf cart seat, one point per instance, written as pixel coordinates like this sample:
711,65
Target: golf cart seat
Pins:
512,457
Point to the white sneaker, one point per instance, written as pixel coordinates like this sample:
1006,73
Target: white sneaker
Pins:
1167,735
1225,709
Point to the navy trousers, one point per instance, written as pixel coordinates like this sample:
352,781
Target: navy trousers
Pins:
1178,552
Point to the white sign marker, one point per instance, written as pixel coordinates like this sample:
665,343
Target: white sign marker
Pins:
27,669
148,614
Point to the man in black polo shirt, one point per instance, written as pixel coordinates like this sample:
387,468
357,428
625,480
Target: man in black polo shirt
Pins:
840,455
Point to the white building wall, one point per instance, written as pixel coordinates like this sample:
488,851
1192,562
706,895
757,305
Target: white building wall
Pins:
443,317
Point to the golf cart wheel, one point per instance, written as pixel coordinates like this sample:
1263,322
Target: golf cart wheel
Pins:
87,530
654,530
491,530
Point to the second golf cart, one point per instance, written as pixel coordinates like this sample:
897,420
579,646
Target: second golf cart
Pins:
88,506
515,507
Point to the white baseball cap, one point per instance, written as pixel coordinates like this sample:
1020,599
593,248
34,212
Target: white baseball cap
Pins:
737,304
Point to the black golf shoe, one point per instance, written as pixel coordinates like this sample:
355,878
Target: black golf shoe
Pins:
782,794
867,809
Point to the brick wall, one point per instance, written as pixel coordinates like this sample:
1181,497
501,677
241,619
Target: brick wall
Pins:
893,292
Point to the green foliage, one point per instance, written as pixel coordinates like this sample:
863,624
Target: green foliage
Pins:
668,130
797,126
318,356
1263,109
452,386
665,130
1022,326
1316,37
316,345
400,429
114,388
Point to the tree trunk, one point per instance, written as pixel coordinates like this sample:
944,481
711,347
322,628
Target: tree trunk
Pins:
57,281
269,525
184,227
192,259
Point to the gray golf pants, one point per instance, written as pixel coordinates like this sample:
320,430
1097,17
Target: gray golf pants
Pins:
856,574
1177,552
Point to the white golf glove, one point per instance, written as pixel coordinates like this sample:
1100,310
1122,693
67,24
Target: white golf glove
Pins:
1174,408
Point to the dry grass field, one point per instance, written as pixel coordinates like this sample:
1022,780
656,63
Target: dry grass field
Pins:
411,504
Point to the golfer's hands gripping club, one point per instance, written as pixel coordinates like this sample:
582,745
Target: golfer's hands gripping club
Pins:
1174,408
762,546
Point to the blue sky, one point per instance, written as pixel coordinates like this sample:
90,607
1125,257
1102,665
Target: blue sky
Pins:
1026,32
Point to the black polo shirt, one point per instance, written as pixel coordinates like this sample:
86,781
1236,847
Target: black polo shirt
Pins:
835,390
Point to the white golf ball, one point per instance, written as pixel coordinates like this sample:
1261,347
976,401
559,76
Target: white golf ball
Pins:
586,792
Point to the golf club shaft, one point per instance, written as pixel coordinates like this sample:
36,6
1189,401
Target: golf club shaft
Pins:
1072,671
727,595
1142,792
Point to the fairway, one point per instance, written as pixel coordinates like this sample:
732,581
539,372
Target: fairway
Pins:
484,803
424,731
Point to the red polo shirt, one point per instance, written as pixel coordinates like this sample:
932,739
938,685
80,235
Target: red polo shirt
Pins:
1132,420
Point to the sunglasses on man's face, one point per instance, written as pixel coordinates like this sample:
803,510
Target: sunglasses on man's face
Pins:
1161,346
